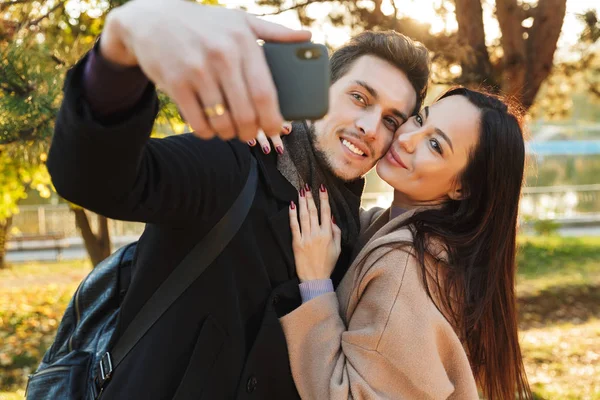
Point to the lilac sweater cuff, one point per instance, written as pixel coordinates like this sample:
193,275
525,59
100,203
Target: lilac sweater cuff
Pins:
311,289
111,89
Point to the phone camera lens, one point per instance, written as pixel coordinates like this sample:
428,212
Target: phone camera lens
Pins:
308,54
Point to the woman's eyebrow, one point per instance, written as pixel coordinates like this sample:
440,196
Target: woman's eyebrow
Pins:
439,131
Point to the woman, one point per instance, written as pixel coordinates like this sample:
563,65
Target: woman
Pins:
427,309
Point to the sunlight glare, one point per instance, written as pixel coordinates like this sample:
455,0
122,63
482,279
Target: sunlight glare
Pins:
424,11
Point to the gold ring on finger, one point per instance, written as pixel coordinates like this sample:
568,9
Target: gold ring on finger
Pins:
215,111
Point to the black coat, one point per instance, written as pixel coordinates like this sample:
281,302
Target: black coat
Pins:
222,338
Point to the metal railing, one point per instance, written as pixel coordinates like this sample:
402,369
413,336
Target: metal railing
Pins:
555,202
59,219
551,202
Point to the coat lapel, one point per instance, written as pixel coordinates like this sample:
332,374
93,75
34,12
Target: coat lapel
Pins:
282,191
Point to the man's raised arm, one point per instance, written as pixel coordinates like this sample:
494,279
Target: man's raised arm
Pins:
101,156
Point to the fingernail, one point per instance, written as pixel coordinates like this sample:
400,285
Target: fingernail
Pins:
266,149
306,187
323,188
251,142
302,192
333,219
279,150
293,205
286,130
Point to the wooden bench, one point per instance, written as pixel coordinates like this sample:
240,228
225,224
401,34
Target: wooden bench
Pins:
37,242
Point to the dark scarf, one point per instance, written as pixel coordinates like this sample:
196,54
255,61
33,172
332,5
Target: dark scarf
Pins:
301,164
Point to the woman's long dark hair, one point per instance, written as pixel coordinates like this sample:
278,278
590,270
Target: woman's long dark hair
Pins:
477,291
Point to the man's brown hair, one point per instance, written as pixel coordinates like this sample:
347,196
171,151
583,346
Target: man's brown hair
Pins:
409,56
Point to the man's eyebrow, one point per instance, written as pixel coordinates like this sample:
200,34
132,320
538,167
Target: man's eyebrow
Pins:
368,87
375,95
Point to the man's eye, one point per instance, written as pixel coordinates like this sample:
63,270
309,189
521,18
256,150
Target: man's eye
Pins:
359,98
392,124
419,120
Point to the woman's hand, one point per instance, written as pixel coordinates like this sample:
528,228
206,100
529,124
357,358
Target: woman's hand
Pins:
316,245
263,140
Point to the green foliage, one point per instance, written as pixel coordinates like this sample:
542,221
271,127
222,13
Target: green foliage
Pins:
31,93
21,168
39,42
545,227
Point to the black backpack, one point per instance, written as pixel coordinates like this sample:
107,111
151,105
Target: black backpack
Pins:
83,356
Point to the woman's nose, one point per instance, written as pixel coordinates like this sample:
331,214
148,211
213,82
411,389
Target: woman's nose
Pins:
408,140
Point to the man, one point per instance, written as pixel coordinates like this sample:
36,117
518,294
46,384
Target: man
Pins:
222,338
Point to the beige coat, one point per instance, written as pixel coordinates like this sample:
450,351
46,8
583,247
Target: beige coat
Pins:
379,336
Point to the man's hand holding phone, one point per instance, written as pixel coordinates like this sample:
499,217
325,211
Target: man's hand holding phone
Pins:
206,59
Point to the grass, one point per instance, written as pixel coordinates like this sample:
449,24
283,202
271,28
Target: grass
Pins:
550,262
559,301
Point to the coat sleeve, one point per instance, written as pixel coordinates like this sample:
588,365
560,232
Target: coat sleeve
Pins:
390,348
116,169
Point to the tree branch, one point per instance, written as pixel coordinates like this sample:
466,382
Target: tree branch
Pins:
528,11
509,15
395,9
25,134
103,232
541,45
83,223
35,22
474,57
294,7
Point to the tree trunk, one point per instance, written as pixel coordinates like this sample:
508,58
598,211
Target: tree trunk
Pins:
541,45
474,57
510,18
4,230
97,245
528,54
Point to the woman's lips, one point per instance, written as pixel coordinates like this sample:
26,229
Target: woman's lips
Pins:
395,158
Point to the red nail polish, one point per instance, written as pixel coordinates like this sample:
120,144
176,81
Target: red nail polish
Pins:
279,150
333,219
302,192
306,187
323,188
266,149
251,142
292,205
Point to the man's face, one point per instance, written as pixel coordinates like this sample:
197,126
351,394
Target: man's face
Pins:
366,107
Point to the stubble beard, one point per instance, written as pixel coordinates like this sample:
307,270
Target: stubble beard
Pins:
324,157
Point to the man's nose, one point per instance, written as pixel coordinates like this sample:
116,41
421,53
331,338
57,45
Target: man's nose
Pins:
367,125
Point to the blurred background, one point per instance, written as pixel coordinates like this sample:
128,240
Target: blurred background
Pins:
545,54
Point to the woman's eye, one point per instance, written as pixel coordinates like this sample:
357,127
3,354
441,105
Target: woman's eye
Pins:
419,120
436,145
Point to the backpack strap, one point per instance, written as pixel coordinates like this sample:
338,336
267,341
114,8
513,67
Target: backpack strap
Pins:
192,266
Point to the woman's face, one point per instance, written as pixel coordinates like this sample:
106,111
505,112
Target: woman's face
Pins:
430,151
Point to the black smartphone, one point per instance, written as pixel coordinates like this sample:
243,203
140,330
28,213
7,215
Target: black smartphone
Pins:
302,77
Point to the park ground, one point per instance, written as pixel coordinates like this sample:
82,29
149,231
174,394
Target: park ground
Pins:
559,307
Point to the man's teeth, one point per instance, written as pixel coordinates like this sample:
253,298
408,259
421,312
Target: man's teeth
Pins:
352,147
